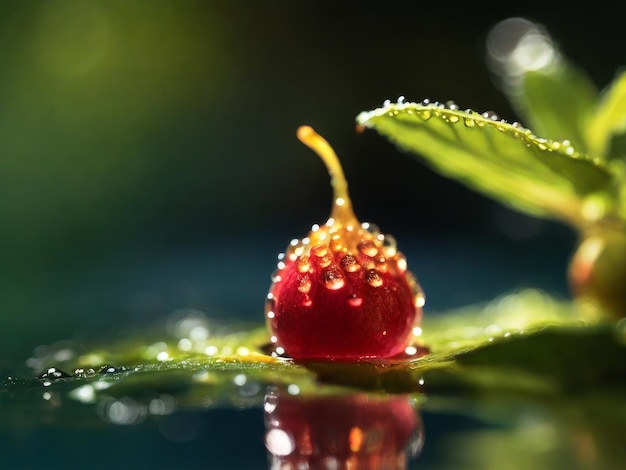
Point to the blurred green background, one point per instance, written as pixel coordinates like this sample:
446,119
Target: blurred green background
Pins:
148,159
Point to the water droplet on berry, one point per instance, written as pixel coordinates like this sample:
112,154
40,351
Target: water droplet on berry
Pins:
368,247
307,302
336,246
303,264
319,250
401,264
373,278
304,284
355,301
349,264
333,279
276,277
389,246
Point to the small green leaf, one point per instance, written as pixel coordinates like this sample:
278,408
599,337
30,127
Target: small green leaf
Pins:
609,121
557,102
505,161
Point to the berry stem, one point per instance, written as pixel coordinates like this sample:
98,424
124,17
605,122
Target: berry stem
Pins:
342,205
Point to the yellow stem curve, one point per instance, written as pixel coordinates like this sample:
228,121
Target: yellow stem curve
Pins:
342,205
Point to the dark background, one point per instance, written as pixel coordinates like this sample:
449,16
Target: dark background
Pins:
148,159
148,162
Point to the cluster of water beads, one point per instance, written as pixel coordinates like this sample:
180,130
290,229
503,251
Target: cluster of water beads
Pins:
336,262
450,112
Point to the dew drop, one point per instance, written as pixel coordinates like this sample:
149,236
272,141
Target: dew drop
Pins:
336,246
491,115
368,248
381,264
276,277
307,302
450,104
304,284
389,246
333,279
373,278
349,264
355,301
325,261
425,102
541,143
84,373
54,373
303,264
110,369
469,122
424,114
319,251
401,264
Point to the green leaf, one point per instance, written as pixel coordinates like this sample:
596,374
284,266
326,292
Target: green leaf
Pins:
557,102
608,122
505,161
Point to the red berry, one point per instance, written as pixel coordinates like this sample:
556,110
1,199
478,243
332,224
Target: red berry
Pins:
342,292
340,431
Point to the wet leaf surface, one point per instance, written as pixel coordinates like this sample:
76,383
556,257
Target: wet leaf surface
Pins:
505,161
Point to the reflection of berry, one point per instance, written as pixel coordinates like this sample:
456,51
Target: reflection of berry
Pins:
345,431
342,292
